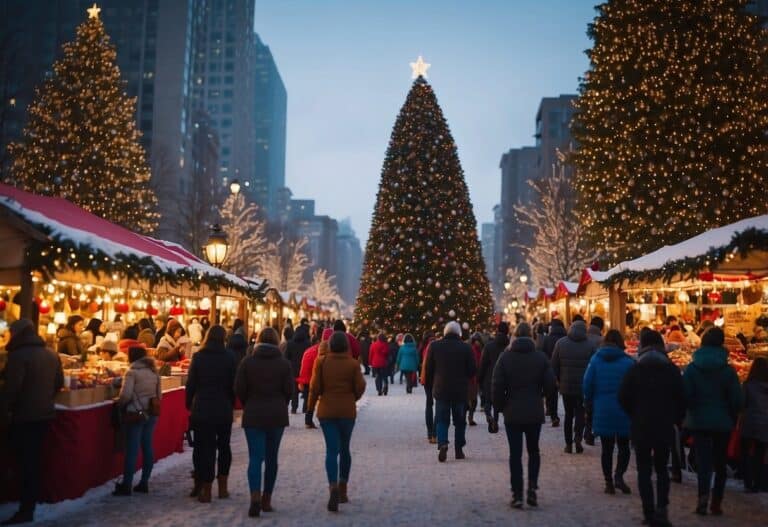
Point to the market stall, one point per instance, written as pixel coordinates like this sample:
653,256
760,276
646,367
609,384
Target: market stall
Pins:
719,277
59,260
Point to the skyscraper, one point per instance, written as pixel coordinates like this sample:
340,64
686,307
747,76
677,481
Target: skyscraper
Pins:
349,262
222,83
518,166
270,106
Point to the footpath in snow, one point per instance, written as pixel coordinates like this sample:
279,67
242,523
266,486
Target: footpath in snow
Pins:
396,480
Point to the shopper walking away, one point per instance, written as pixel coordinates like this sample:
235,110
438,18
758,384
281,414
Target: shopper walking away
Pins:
305,375
337,383
429,404
379,358
521,378
714,399
595,336
449,367
354,345
488,359
140,396
602,380
265,383
754,426
569,362
394,347
210,400
408,361
32,377
556,332
364,338
294,353
476,343
653,397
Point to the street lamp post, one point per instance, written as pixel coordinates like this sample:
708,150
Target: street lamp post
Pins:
234,187
216,247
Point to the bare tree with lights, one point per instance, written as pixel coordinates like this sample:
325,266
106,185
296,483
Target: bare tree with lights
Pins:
323,288
284,265
246,236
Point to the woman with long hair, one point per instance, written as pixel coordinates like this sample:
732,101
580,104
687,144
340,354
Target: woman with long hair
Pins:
264,384
210,400
337,383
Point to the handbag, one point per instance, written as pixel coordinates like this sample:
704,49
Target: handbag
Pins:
139,416
154,403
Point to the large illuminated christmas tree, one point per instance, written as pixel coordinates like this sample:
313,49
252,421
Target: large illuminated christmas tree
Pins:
81,140
423,264
671,121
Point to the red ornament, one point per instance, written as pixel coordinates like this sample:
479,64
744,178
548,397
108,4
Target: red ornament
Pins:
715,297
74,303
93,307
122,307
152,311
2,305
43,307
176,310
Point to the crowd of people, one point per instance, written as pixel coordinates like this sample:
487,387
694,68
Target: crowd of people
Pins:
643,403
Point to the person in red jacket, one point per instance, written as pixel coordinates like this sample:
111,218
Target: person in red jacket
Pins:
305,375
378,356
354,345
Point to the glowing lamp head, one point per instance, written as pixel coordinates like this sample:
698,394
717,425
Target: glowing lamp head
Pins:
217,246
234,187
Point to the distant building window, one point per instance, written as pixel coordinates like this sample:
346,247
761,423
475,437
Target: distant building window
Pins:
229,80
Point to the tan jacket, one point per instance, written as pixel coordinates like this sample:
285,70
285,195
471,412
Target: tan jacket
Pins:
337,383
140,384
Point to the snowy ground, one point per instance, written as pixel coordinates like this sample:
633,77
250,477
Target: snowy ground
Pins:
396,480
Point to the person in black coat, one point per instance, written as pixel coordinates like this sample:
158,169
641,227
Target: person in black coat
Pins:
521,378
653,396
33,376
556,332
364,338
448,368
210,399
294,352
488,359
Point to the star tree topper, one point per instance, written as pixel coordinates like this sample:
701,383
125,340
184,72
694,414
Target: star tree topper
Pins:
93,12
420,68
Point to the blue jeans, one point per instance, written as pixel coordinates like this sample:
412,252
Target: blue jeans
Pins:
338,459
263,445
515,435
443,412
382,379
711,457
429,412
139,434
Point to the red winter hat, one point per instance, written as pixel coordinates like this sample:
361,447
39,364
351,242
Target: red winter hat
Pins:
327,332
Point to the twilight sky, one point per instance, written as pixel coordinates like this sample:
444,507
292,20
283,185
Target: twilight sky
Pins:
345,67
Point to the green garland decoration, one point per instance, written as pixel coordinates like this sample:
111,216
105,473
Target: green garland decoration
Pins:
741,245
61,254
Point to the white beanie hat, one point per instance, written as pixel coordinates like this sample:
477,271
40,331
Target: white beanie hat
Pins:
452,327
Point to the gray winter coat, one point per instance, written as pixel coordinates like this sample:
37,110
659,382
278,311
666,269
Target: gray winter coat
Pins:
754,422
571,358
595,336
141,383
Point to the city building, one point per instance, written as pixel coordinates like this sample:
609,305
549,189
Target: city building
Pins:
269,129
553,130
349,262
222,83
518,166
488,243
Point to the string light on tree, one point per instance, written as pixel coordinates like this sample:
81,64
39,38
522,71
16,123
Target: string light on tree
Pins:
670,122
423,264
81,141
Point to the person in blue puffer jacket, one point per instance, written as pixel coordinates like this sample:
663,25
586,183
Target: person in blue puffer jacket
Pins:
602,380
408,361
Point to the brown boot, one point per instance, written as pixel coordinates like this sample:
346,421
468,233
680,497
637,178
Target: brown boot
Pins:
195,489
333,499
266,502
255,508
205,493
343,498
223,492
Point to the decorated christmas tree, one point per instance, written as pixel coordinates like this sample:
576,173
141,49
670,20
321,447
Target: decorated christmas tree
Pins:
423,265
81,141
671,121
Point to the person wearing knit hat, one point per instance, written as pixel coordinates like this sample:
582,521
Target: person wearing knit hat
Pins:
32,375
305,374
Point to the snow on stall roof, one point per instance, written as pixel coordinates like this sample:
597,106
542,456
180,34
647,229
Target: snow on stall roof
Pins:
67,221
691,248
568,287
